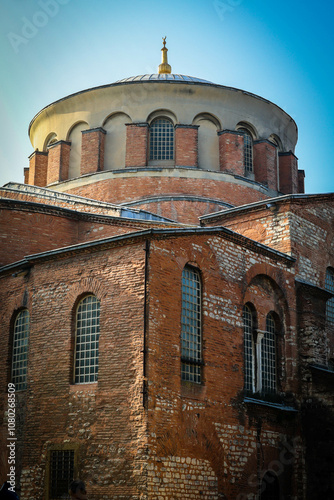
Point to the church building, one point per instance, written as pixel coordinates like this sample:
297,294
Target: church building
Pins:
167,300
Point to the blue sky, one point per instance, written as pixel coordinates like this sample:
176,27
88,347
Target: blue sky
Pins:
282,51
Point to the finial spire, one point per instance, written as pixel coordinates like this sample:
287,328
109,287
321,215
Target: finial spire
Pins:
164,67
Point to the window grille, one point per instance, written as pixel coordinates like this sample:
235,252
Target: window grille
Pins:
87,340
329,285
248,150
268,357
191,341
248,347
61,473
161,140
20,350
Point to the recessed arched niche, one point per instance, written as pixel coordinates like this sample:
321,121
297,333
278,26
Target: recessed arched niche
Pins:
115,140
208,146
75,138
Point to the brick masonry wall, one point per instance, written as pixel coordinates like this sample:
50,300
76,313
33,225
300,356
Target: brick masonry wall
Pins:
231,152
186,145
265,163
288,173
121,190
136,144
202,419
103,420
38,166
92,151
58,162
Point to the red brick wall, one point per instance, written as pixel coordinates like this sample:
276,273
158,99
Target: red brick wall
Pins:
265,163
186,145
301,181
120,190
231,152
136,144
38,167
59,161
288,173
92,150
201,431
104,421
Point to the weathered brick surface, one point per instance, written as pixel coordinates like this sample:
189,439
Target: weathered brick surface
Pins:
186,145
122,190
92,150
105,420
58,161
38,167
231,152
288,173
136,144
265,163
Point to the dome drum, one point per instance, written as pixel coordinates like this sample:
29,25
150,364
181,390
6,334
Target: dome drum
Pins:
124,125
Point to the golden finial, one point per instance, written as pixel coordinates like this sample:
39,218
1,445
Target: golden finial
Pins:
164,67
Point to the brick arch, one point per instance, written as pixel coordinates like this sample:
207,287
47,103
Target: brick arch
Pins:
87,286
260,275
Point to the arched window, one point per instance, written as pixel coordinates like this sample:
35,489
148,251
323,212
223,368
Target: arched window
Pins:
161,139
191,336
248,322
259,353
268,356
20,350
248,150
329,285
270,489
86,359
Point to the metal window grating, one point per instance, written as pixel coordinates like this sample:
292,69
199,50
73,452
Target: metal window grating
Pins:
268,357
329,285
87,340
248,347
20,350
248,150
161,140
61,473
191,342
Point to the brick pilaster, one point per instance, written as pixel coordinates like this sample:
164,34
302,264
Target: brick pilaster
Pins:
301,181
288,173
92,150
186,145
38,167
265,163
59,161
136,144
231,152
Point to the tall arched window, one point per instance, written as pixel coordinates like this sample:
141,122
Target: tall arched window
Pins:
329,285
161,139
248,150
20,350
248,321
191,335
86,359
268,356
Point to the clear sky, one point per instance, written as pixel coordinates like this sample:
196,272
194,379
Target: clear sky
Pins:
283,51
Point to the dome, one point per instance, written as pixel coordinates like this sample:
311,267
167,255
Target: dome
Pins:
163,77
